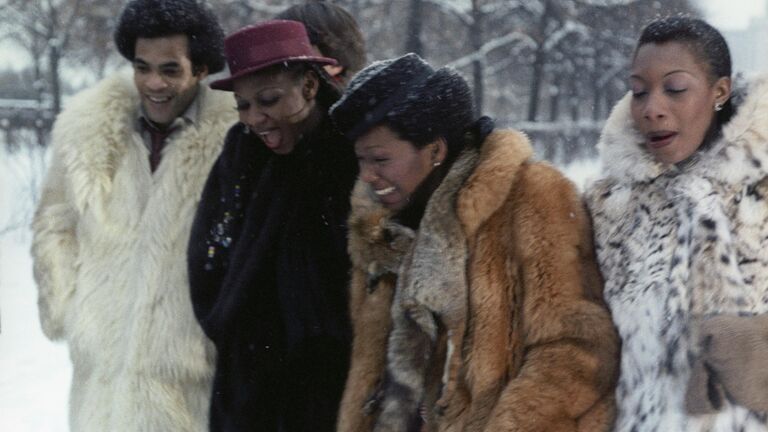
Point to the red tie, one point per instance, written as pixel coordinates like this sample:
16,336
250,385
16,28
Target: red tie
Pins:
157,138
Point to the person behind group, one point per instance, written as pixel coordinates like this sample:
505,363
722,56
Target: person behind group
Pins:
681,232
333,33
130,156
471,262
267,258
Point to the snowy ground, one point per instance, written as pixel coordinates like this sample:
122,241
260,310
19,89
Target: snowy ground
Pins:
34,372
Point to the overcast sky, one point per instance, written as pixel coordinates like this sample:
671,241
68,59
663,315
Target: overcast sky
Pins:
732,14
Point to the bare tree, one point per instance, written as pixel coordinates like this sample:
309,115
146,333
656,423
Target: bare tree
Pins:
565,58
50,31
413,29
23,168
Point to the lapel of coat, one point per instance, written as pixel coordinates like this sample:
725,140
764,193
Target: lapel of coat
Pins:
377,246
501,156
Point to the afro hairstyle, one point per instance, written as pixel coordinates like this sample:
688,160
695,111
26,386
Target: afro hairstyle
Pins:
160,18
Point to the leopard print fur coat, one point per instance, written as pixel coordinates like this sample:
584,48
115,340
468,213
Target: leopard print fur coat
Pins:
676,243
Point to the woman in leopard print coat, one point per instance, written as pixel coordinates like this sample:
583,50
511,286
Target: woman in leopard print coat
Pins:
681,228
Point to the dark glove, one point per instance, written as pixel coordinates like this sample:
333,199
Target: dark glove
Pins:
734,362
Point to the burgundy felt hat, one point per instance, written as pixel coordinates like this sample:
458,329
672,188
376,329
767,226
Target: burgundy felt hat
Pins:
258,46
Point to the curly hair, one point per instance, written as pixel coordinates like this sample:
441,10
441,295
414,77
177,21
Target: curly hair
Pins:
160,18
333,30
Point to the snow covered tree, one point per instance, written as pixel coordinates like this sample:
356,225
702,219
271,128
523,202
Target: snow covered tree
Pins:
57,31
527,60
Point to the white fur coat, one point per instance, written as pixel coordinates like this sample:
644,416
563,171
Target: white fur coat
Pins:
676,244
110,241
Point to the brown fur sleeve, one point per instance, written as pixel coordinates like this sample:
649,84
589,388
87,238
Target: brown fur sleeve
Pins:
570,344
371,323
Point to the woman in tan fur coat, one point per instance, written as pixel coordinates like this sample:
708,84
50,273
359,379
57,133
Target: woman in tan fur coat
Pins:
475,296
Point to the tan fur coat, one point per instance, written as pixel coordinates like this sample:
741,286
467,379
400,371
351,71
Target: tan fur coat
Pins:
540,352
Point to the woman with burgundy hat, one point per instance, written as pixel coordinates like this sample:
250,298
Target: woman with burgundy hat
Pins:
475,297
267,260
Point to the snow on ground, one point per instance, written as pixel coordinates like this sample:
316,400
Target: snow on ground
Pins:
34,372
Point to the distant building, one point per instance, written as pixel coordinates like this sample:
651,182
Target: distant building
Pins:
749,47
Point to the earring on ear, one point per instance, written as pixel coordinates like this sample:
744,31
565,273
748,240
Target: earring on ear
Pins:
246,129
434,154
718,106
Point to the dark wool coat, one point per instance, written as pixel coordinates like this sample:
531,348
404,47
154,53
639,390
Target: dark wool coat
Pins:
269,271
540,351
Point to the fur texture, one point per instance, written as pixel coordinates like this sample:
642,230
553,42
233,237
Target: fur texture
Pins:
540,351
676,244
431,294
109,257
268,271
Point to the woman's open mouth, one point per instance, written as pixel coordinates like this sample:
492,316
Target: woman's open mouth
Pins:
661,139
385,191
272,137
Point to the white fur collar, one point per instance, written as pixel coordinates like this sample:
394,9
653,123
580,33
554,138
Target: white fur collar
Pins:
740,155
97,126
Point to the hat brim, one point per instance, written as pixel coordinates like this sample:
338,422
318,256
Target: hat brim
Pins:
226,83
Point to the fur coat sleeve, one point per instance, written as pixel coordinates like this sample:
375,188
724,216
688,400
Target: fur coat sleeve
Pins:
55,248
375,258
570,347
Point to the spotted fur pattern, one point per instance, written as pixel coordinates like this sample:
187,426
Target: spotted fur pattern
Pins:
677,243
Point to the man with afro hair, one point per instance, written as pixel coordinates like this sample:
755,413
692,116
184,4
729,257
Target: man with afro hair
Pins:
130,157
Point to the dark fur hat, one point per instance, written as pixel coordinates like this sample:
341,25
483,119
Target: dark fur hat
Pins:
417,102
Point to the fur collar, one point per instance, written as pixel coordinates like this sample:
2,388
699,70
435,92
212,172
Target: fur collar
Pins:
502,155
377,245
740,155
98,126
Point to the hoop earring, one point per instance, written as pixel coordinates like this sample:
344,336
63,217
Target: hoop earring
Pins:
718,106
